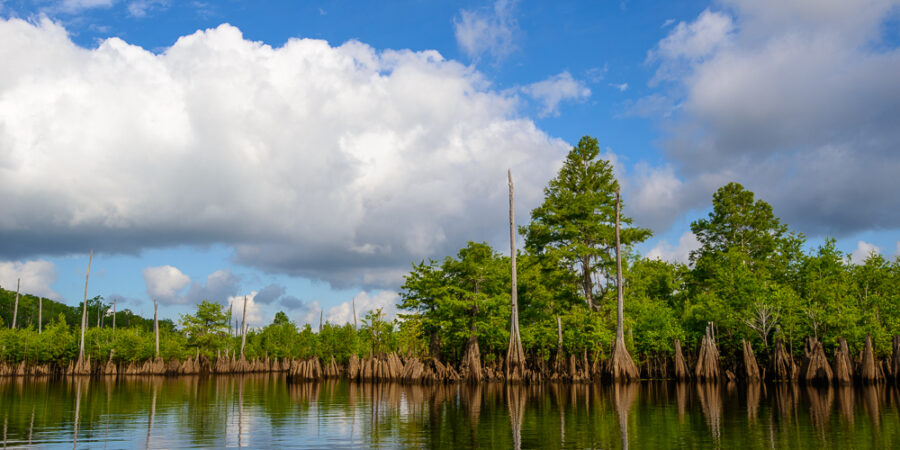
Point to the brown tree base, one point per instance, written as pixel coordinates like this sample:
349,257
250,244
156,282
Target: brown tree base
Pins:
621,367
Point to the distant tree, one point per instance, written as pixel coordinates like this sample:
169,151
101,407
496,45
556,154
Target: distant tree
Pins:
575,225
207,329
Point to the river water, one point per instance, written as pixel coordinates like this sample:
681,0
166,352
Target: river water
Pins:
263,411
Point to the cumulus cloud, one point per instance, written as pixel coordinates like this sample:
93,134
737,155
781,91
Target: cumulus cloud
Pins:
681,252
172,287
556,89
36,277
254,311
365,302
339,163
798,100
488,30
165,283
863,251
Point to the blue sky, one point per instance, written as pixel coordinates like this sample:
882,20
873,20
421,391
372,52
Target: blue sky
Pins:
304,153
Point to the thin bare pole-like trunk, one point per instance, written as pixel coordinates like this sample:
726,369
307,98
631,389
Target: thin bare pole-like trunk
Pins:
320,321
620,295
114,315
355,327
515,355
244,328
232,330
84,307
156,325
16,307
40,314
621,367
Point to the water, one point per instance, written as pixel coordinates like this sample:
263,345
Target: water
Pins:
266,411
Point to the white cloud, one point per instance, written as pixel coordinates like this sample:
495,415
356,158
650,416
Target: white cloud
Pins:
679,253
365,302
254,311
141,8
556,89
897,251
863,250
303,158
489,31
622,87
796,100
36,277
165,283
74,6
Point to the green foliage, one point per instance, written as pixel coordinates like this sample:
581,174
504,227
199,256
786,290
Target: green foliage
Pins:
575,225
207,330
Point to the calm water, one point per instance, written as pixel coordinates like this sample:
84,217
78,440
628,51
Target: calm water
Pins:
266,411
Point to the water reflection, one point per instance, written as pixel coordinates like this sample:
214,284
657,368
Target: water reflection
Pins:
267,411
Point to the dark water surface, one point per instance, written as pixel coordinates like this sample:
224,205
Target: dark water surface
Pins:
266,411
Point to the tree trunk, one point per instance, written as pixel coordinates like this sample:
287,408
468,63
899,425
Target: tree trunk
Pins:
751,368
708,368
586,282
815,366
156,325
682,371
40,314
895,359
114,316
84,308
515,354
355,327
244,328
783,363
16,307
868,372
621,367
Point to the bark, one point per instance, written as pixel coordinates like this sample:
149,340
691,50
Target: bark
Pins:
783,366
868,373
16,307
244,327
515,354
682,371
470,369
751,368
815,366
41,315
156,325
621,366
708,368
84,308
843,365
895,360
114,315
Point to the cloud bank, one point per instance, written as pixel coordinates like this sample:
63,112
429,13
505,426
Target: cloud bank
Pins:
798,100
337,163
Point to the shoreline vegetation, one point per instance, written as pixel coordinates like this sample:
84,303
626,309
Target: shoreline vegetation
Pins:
576,305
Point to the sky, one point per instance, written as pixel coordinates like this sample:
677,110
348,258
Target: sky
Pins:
304,154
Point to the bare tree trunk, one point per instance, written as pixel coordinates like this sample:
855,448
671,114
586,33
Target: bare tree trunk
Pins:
16,307
320,321
621,366
587,282
244,328
114,316
515,355
355,327
99,315
231,330
156,325
40,314
84,307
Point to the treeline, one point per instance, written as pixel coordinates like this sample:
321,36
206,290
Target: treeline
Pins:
751,280
207,333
